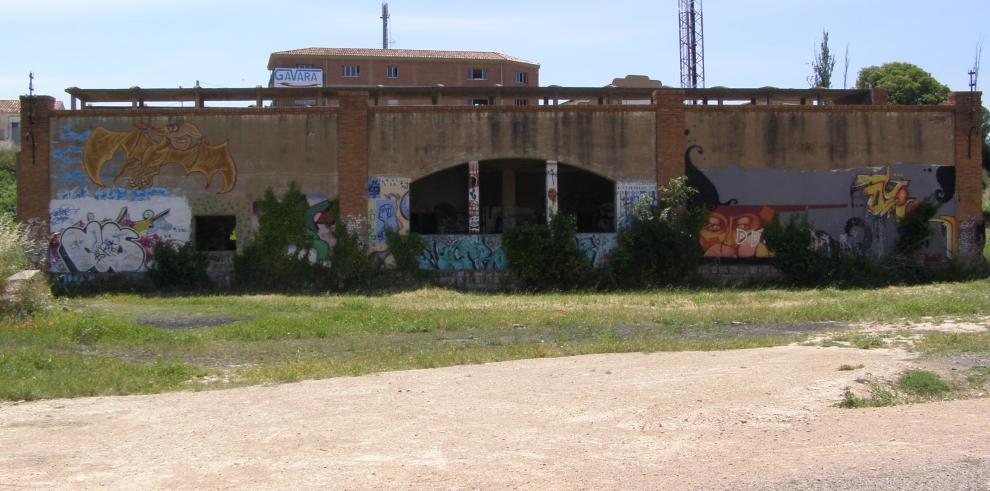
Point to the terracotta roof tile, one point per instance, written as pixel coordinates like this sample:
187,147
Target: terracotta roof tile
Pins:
403,53
10,106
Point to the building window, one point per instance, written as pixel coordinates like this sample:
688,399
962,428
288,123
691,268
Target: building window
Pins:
522,78
479,102
522,102
216,233
351,71
15,132
392,72
302,65
478,74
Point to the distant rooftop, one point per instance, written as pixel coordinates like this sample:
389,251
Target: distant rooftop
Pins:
14,106
412,54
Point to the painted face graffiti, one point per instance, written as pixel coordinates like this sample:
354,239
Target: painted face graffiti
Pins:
736,231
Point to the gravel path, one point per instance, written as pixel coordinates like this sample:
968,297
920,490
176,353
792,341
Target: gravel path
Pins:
744,419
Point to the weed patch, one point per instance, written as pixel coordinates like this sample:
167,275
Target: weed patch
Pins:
923,383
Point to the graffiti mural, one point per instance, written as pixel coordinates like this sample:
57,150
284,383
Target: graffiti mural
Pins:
146,149
100,236
551,186
885,194
474,198
597,247
483,252
852,210
474,252
627,195
388,209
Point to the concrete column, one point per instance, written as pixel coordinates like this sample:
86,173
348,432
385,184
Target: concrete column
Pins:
969,155
508,196
352,161
474,198
671,141
553,204
33,188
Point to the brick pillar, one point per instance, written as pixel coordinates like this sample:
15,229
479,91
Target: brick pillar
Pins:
474,198
879,96
352,161
33,191
671,141
969,155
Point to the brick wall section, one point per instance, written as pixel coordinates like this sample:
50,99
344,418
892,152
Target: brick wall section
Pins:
32,161
879,96
671,141
969,154
352,163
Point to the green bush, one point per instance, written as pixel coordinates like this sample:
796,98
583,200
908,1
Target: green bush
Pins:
351,265
913,230
405,250
660,247
179,267
8,182
794,253
923,383
266,263
548,258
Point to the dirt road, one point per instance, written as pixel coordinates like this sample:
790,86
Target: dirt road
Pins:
735,419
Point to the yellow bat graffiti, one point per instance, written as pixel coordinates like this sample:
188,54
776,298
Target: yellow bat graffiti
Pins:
885,193
147,149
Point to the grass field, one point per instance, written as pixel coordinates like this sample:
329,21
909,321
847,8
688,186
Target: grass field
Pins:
121,344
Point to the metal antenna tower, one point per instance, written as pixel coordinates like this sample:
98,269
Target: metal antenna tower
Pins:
692,44
385,16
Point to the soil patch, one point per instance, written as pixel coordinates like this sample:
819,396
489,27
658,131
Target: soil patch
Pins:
184,323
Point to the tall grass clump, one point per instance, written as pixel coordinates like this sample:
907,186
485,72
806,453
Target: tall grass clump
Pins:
16,247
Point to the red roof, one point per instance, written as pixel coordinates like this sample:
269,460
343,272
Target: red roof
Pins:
14,106
427,54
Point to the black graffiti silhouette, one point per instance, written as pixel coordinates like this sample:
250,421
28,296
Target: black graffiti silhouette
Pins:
707,192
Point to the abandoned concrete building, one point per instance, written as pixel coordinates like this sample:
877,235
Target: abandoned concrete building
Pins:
109,182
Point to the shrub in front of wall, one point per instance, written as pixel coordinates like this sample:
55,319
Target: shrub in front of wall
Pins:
794,252
179,267
405,250
350,264
913,230
279,256
548,258
660,246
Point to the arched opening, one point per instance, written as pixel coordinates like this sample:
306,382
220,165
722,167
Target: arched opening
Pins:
512,192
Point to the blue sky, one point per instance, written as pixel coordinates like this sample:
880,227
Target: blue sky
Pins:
226,43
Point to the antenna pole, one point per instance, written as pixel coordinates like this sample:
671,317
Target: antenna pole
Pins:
692,30
385,25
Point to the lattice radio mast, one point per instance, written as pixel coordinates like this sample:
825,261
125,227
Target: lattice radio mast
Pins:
692,44
385,16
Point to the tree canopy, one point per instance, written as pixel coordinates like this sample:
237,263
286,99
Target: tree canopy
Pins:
906,83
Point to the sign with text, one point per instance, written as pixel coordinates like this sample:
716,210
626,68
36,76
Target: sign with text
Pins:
297,77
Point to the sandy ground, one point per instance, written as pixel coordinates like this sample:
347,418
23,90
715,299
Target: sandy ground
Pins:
744,419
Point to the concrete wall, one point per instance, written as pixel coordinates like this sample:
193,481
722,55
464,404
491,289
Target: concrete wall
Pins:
415,142
134,181
804,139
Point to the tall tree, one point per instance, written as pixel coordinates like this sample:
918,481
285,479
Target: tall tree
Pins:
822,65
905,83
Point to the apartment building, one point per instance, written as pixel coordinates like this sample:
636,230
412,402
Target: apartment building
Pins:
365,67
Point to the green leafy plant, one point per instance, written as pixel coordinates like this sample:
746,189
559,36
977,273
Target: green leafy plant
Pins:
405,250
923,383
660,247
913,230
795,256
278,257
16,249
179,267
8,182
351,266
548,258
